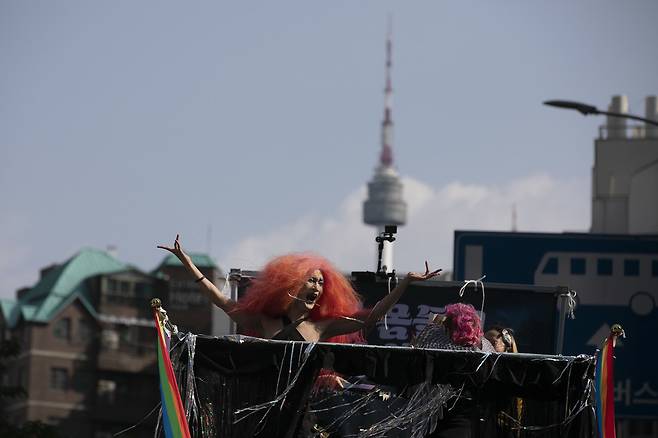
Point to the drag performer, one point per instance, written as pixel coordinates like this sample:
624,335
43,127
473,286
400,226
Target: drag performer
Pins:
299,297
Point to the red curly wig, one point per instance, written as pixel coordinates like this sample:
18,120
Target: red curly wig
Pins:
463,323
268,293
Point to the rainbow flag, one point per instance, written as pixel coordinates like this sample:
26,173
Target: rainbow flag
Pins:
173,415
604,388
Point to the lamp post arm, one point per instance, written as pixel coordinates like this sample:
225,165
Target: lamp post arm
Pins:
586,110
629,116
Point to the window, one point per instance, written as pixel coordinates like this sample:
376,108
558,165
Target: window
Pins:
578,266
604,267
125,287
142,289
62,329
631,268
112,285
110,339
551,266
128,336
106,391
59,378
84,330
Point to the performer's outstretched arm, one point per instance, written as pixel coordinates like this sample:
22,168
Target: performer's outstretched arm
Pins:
348,325
386,303
209,288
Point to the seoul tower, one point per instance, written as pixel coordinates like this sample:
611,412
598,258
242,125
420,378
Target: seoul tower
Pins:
385,205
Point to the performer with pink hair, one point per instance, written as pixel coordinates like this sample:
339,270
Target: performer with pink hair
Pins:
300,297
458,329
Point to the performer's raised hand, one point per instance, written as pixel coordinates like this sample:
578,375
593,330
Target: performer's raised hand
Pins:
206,285
340,326
176,249
417,276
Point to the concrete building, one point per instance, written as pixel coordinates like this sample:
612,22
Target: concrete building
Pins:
88,341
625,173
385,204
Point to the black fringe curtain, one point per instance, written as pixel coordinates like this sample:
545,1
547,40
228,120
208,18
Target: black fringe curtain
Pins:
239,386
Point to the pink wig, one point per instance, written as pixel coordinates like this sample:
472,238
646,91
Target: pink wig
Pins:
463,324
268,293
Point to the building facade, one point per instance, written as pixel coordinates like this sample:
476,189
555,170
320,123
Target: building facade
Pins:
88,344
625,173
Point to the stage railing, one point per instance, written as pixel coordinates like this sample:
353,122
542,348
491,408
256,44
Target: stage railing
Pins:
238,386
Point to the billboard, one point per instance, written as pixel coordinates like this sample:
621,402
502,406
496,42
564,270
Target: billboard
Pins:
616,280
531,311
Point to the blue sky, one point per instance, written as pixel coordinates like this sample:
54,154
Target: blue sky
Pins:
123,123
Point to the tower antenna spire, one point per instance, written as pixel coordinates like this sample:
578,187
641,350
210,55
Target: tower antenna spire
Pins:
386,155
385,205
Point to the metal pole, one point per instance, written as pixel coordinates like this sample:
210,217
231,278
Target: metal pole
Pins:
563,295
234,283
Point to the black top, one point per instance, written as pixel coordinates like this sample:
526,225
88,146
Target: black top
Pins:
289,331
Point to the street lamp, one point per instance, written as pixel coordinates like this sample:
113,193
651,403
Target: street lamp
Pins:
586,109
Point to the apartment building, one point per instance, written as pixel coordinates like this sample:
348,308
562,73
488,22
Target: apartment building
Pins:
88,342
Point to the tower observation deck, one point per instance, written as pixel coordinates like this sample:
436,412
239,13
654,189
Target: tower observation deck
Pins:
385,204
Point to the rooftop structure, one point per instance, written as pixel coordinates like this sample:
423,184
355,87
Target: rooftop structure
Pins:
625,173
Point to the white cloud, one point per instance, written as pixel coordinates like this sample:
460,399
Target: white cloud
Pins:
340,237
543,203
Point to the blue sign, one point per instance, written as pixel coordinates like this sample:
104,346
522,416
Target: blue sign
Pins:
616,280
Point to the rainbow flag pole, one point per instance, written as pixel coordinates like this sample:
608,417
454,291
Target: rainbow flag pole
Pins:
173,415
604,384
